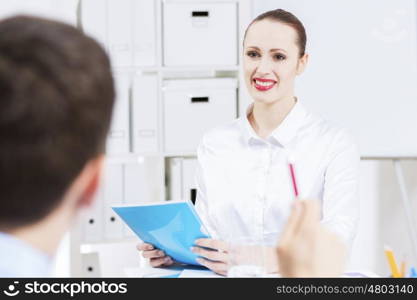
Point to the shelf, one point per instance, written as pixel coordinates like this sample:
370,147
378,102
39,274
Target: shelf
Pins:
180,154
84,246
200,68
129,158
136,69
164,69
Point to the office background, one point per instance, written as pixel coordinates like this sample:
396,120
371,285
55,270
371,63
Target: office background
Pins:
178,71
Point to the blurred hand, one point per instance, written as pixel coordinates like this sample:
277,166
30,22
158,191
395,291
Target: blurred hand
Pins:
157,258
215,258
306,248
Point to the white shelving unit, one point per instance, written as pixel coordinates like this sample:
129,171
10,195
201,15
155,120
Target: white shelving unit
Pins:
133,32
158,162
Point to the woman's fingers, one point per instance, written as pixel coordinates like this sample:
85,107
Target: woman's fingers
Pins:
153,253
210,254
157,258
212,244
161,261
217,267
144,247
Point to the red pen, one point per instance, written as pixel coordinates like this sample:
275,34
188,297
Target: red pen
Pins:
293,179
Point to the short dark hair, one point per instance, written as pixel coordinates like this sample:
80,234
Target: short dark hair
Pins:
56,99
285,17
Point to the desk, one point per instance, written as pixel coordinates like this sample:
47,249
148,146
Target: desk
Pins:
175,271
181,271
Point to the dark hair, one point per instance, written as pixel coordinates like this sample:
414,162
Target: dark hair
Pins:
56,100
285,17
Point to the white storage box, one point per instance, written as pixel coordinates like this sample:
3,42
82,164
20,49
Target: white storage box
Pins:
200,33
191,107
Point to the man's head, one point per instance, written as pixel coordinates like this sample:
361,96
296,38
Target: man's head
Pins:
56,99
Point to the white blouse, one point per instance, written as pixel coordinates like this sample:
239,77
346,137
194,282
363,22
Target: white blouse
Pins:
244,185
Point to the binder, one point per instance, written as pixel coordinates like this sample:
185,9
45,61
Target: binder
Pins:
182,184
127,28
64,11
137,187
189,188
144,114
170,226
120,32
94,20
175,178
90,265
92,227
118,138
113,193
144,41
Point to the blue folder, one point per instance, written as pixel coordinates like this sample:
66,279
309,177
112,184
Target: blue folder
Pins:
170,226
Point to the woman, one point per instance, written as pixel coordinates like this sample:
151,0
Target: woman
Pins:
244,187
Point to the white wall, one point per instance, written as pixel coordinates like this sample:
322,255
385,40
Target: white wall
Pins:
392,224
349,52
383,221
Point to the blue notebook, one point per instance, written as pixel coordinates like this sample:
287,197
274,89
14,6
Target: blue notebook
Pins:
170,226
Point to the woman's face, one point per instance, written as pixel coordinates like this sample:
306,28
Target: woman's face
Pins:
271,61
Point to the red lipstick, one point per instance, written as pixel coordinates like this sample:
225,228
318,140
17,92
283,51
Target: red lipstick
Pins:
263,84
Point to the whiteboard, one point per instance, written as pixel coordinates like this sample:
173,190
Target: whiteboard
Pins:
362,72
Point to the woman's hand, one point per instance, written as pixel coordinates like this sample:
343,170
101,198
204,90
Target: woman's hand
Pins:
157,258
216,258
